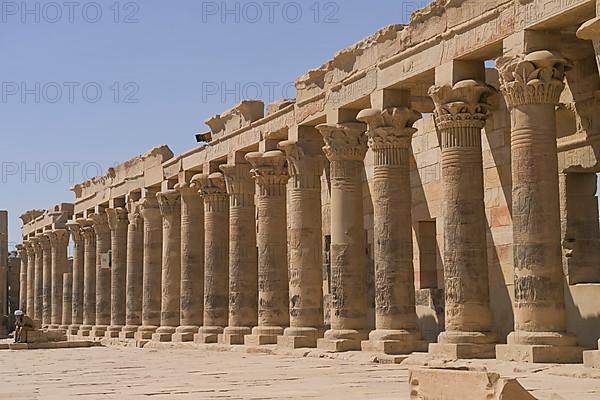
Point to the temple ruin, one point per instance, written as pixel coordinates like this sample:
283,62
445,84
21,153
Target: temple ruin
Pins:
430,189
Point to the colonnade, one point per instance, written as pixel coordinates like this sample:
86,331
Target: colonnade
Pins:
235,255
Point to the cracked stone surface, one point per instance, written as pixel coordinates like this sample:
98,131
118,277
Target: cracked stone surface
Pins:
130,373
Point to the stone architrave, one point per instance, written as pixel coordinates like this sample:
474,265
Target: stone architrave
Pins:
117,222
170,210
192,262
345,148
243,257
461,111
270,174
389,136
532,85
306,162
216,265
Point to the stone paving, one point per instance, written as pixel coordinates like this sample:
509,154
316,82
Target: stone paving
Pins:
130,373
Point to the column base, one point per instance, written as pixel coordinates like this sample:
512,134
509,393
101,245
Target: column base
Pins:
208,334
112,332
263,335
338,340
394,341
73,330
128,332
460,351
63,328
538,353
98,331
163,334
185,334
295,338
591,358
145,332
234,335
53,327
84,330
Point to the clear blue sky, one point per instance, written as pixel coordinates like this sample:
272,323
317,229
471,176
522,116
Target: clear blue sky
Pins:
166,59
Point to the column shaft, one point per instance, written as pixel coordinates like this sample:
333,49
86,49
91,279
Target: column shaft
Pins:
59,240
243,256
153,238
67,301
135,268
89,273
170,209
117,222
345,147
270,175
30,279
103,272
22,252
216,242
77,278
305,243
46,281
192,262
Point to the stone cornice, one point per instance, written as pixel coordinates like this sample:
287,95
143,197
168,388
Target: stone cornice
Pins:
535,78
344,142
390,128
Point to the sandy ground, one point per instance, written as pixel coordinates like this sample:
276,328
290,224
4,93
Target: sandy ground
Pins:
130,373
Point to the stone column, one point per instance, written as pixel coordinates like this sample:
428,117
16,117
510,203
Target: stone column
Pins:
135,268
243,258
30,278
532,85
46,280
346,147
23,277
305,243
89,276
389,137
59,240
67,301
591,31
117,223
77,278
39,278
460,113
103,244
153,238
192,262
270,175
170,210
216,225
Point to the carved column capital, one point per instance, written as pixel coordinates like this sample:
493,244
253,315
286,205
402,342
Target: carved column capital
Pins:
188,190
117,218
134,214
269,171
345,141
88,233
44,242
213,190
22,250
28,245
590,30
535,78
304,167
465,104
149,209
100,223
75,230
391,128
239,183
169,203
59,238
